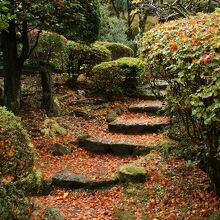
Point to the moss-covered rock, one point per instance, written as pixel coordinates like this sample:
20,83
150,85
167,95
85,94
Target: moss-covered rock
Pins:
118,50
119,76
131,173
113,114
58,149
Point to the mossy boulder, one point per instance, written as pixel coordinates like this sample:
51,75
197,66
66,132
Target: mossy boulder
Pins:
58,149
118,50
113,114
131,173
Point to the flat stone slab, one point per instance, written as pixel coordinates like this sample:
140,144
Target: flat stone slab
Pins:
71,180
152,108
101,146
135,127
68,179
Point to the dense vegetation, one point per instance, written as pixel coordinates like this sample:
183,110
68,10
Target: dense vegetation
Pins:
186,54
92,59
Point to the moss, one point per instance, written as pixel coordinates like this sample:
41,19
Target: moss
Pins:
47,213
118,50
131,173
121,214
215,216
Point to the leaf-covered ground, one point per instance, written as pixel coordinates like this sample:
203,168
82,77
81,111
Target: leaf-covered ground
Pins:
174,190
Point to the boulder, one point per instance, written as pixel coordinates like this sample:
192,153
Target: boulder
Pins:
58,149
113,114
131,173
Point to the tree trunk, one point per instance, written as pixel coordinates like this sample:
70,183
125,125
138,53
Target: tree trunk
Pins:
12,70
48,95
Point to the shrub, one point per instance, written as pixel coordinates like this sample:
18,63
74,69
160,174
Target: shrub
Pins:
186,54
16,164
82,55
16,155
118,76
50,49
118,50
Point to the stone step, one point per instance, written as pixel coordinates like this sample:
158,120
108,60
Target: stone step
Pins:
121,144
71,180
138,124
148,107
157,84
107,146
147,94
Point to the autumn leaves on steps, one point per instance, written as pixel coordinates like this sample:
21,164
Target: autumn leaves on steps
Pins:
130,133
136,132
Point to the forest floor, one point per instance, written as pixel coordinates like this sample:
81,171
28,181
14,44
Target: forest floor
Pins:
174,189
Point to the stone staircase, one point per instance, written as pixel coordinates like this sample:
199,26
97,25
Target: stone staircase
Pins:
142,120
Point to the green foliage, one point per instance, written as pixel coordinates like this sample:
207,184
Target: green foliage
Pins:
118,50
47,213
85,56
186,54
13,203
77,20
50,49
16,154
113,29
16,166
5,15
119,76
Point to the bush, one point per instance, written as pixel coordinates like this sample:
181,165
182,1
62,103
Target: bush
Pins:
119,76
50,49
118,50
16,155
16,164
186,54
85,56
